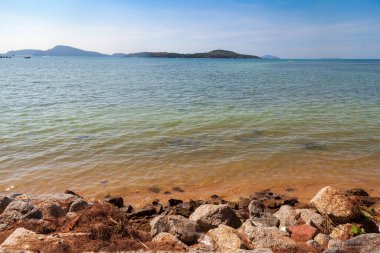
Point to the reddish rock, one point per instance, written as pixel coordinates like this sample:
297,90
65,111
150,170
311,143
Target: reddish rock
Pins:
303,232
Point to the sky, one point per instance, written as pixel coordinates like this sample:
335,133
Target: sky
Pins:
285,28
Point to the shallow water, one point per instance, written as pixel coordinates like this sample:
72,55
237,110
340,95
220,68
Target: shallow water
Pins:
100,125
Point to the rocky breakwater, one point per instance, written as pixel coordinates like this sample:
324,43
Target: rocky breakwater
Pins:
332,222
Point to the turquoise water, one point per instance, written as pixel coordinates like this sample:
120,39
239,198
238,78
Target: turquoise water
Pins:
122,124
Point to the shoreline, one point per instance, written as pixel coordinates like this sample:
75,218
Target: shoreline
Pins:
231,192
66,222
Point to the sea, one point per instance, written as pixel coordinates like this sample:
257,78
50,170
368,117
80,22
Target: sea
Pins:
101,125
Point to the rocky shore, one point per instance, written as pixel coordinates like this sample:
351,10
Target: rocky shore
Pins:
332,222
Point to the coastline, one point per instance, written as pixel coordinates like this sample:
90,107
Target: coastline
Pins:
263,220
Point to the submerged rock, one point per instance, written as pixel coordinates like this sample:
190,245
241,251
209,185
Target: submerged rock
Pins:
182,228
211,216
338,207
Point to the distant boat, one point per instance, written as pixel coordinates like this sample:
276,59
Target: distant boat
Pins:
27,57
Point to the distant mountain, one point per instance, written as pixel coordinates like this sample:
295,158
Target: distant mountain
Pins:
25,52
211,54
56,51
272,57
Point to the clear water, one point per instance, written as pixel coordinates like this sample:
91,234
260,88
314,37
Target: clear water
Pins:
121,125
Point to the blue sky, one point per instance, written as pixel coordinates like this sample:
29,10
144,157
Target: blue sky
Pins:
287,28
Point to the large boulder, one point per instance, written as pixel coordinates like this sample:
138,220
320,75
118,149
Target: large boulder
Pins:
338,207
267,237
211,216
366,243
259,215
20,210
182,228
226,239
288,216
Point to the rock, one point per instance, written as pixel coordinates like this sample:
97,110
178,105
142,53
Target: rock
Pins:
216,200
322,240
226,239
261,250
73,193
174,202
260,216
19,240
288,216
146,212
20,210
78,205
366,243
357,192
303,232
337,206
127,209
182,228
51,210
186,208
312,218
342,232
211,216
4,202
267,237
166,238
116,201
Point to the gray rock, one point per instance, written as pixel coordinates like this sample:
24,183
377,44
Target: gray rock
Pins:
211,216
366,243
288,216
4,202
267,237
78,205
20,210
312,218
182,228
260,216
339,208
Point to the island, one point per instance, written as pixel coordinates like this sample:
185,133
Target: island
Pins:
61,50
212,54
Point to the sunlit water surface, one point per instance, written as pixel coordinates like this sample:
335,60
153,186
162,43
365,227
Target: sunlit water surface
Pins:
101,125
